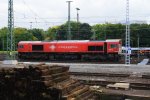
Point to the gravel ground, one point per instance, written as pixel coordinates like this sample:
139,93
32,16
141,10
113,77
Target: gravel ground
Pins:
137,93
104,68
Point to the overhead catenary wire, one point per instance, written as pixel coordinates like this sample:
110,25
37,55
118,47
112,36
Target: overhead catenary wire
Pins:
92,17
88,19
27,17
109,28
34,13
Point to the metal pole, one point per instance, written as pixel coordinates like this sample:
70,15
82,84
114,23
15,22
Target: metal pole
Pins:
128,48
94,37
69,27
3,43
105,30
10,34
77,20
138,47
77,15
30,25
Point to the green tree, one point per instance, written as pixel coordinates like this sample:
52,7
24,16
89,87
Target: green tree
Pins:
39,34
109,31
22,34
143,32
79,31
117,31
3,38
52,33
85,32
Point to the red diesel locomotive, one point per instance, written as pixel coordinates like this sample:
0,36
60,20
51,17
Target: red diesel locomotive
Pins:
74,49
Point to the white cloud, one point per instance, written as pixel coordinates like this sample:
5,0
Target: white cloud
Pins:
54,12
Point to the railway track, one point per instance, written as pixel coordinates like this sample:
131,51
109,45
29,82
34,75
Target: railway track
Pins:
139,85
103,79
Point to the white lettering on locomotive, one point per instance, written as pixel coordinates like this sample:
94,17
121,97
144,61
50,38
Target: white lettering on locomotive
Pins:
68,47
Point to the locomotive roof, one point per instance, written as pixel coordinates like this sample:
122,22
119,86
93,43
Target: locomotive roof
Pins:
113,40
61,41
68,41
56,41
71,41
30,41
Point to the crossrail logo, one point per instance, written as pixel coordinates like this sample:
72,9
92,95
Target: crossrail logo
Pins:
52,47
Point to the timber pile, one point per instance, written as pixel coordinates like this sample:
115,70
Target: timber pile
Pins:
146,76
41,82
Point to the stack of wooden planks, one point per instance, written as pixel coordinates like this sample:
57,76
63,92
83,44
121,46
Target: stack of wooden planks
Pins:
41,82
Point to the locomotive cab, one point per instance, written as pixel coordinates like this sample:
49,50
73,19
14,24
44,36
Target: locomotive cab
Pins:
114,48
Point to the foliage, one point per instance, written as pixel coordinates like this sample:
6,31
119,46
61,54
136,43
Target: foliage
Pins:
109,31
51,33
85,32
3,38
22,34
39,34
80,31
117,31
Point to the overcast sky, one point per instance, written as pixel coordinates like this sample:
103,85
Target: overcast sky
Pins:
47,13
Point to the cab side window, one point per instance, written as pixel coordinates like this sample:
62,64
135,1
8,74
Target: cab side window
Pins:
20,46
114,46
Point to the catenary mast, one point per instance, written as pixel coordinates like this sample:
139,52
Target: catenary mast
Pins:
10,34
69,26
127,44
